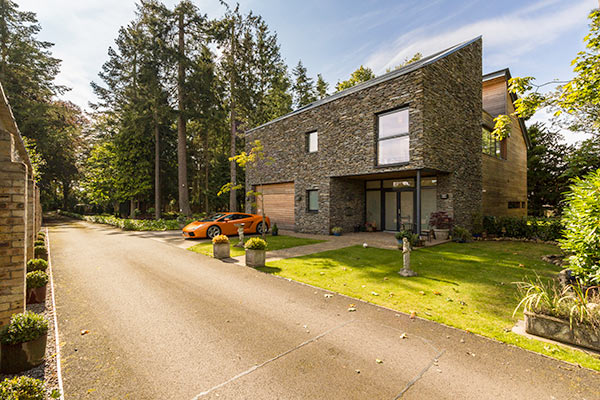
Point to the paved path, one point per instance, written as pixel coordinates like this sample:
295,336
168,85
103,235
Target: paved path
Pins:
165,323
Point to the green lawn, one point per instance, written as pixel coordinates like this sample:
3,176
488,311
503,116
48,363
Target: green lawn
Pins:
273,243
468,286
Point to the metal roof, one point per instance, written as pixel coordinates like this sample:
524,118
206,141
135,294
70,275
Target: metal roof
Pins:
375,81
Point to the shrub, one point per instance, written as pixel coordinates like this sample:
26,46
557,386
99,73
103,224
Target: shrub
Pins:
461,235
581,219
41,234
220,239
440,220
151,210
256,243
23,328
546,229
22,388
39,243
336,230
36,279
40,252
37,264
275,229
477,224
413,238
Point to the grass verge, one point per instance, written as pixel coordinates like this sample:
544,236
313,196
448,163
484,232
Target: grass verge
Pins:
468,286
273,243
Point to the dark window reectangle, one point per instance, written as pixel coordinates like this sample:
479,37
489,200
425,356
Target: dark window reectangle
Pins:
312,200
393,141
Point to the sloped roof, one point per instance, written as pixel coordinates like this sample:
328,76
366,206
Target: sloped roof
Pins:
375,81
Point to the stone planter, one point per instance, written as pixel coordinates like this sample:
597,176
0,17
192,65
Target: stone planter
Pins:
441,234
560,330
255,258
37,295
19,357
221,250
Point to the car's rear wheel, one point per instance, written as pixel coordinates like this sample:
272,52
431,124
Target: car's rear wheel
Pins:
261,227
213,231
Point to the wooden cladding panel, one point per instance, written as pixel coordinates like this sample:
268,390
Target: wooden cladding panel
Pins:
495,96
279,204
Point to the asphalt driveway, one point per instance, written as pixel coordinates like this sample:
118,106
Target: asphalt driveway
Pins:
141,318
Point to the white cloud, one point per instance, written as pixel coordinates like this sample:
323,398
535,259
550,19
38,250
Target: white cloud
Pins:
505,37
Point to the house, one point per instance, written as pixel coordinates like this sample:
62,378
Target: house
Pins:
392,150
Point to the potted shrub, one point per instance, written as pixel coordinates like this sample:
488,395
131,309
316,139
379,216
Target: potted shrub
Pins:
256,250
23,342
24,387
477,225
39,242
36,287
370,227
41,235
274,230
441,222
40,252
461,235
221,247
37,264
337,231
413,238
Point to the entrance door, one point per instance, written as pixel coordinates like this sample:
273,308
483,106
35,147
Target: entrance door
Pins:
399,210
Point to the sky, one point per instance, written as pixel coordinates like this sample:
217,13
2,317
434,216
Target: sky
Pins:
334,37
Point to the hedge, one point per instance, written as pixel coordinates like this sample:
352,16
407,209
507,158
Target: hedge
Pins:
545,229
128,224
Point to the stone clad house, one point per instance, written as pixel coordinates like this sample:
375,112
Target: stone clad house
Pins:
391,151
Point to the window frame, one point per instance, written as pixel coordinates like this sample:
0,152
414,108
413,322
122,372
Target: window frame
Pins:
316,133
500,147
396,136
308,209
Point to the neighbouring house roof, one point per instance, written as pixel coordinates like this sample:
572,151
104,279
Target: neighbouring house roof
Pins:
375,81
506,74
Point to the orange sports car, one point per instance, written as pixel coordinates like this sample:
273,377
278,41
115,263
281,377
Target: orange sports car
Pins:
225,224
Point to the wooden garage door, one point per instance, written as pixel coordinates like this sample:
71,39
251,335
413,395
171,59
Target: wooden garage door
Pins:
279,203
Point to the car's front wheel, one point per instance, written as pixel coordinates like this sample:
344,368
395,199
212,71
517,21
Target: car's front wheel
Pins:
213,231
261,227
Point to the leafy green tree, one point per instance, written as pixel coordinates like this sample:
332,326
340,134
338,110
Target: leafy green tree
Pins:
583,159
361,75
546,166
415,57
100,176
321,87
304,89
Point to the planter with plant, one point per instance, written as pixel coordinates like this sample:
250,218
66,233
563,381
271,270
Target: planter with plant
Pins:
477,225
370,227
256,249
39,242
221,247
36,287
274,230
40,252
37,264
337,231
24,388
441,222
461,235
23,342
569,315
413,238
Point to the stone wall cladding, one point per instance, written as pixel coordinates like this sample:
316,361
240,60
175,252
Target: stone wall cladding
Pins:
452,130
347,129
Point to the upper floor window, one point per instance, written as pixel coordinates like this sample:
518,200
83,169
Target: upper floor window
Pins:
392,137
491,146
312,141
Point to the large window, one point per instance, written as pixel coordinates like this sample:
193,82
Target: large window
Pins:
312,200
312,142
392,140
491,146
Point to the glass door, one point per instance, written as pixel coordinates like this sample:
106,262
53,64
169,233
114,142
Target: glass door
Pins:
407,209
391,211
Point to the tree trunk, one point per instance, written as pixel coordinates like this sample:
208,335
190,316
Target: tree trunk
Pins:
65,188
232,164
184,202
206,172
131,208
156,167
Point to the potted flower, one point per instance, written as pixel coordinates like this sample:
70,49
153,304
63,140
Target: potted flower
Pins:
37,264
23,342
221,247
370,227
337,231
40,252
256,250
36,286
441,222
274,230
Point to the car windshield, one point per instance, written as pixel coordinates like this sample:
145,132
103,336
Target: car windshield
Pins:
212,217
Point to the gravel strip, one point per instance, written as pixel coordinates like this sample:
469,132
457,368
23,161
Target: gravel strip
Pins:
47,370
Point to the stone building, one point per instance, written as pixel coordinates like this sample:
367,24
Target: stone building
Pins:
389,152
20,214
